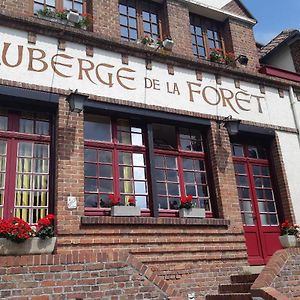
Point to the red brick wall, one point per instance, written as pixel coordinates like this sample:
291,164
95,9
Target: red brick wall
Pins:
240,40
235,8
16,7
106,18
77,276
69,167
179,27
280,279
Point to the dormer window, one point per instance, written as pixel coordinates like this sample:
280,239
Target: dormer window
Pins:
206,35
139,19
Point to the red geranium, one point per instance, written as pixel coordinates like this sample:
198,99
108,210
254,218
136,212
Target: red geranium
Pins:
114,200
15,229
288,229
45,227
186,201
132,201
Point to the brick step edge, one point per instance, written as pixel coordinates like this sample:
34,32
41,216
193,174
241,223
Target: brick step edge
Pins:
235,288
243,278
237,296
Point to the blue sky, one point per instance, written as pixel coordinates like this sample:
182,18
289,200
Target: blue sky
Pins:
273,16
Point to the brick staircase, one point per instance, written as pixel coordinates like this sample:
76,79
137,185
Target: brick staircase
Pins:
239,289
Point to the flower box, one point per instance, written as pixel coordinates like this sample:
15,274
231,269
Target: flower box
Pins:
31,246
288,241
125,211
192,212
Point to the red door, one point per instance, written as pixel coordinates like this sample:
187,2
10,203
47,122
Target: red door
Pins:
257,202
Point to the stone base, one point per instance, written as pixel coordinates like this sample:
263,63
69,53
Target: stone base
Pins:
30,246
125,211
192,213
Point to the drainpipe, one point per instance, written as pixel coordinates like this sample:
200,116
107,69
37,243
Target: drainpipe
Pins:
293,102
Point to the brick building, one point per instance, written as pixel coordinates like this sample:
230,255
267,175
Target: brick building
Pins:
152,128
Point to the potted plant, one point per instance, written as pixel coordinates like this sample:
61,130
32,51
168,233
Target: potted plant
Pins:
288,234
187,208
30,239
61,16
216,55
118,209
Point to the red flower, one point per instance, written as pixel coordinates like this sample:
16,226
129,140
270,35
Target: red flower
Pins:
114,200
50,217
131,201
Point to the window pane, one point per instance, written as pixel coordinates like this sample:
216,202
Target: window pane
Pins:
97,128
90,200
90,169
3,123
164,136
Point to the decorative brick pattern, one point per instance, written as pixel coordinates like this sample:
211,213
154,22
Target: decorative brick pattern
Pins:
280,279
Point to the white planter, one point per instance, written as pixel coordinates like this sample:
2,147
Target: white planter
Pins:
192,213
288,241
30,246
125,211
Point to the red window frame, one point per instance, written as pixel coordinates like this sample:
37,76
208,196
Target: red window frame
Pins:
179,154
13,137
249,163
116,147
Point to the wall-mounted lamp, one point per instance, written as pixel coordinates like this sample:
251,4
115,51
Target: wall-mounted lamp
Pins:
168,43
242,59
76,102
73,16
231,125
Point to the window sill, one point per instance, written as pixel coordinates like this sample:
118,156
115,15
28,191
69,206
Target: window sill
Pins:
101,220
60,21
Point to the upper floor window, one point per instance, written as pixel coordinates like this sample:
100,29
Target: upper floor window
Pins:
139,19
206,35
76,5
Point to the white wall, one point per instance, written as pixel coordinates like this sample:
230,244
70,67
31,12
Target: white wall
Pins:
247,103
291,160
283,60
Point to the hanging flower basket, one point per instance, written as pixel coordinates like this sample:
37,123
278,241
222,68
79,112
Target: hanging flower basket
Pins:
288,241
31,246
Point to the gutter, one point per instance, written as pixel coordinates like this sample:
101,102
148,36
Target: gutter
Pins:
293,102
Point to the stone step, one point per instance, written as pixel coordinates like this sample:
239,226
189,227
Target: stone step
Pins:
236,296
243,278
234,288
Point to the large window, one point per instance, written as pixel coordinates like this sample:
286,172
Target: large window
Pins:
180,167
76,5
139,19
115,162
24,165
206,35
